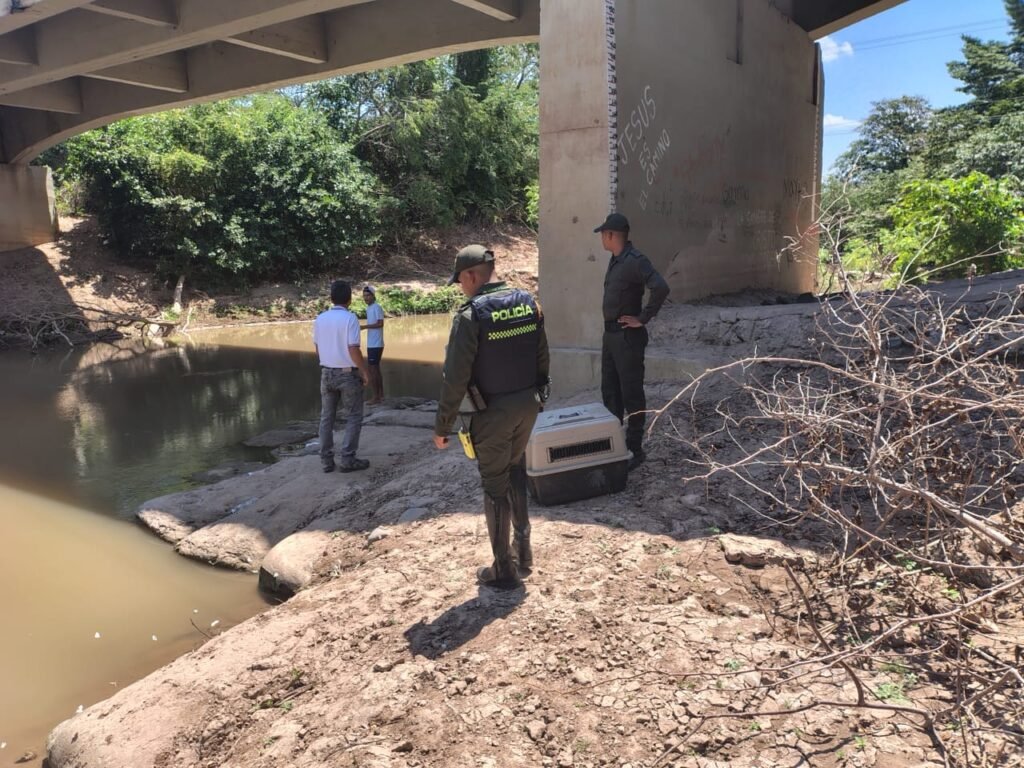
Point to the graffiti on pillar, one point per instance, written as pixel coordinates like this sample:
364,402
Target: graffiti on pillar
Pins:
641,144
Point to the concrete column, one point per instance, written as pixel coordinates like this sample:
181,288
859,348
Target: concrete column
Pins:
719,110
575,191
701,122
28,212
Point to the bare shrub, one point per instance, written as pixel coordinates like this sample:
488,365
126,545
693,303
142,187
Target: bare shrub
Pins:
899,450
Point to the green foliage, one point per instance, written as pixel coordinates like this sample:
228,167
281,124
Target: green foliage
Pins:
290,184
451,139
231,192
533,205
930,193
404,301
941,227
889,139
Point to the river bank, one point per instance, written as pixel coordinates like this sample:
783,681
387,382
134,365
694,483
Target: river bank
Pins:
640,615
74,291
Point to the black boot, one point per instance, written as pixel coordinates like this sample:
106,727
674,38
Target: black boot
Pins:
521,549
502,573
637,460
638,455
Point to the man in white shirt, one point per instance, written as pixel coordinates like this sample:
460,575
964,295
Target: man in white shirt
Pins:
342,378
374,343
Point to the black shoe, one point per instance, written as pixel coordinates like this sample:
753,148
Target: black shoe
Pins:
357,465
487,577
328,467
637,460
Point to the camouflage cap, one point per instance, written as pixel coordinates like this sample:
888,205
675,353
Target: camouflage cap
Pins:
470,256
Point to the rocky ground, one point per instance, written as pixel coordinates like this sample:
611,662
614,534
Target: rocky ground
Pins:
642,637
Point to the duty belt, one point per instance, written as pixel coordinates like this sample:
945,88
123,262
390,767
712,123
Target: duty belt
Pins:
612,326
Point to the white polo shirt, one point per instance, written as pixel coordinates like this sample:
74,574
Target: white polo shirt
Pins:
334,331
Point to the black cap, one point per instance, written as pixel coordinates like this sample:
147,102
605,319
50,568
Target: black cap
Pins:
615,222
470,256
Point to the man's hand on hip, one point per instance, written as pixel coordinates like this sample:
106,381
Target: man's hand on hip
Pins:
629,321
440,442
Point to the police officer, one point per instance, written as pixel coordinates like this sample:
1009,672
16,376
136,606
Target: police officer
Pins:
625,336
498,353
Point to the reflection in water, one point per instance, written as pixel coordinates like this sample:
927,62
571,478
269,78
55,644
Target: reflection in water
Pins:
414,347
85,437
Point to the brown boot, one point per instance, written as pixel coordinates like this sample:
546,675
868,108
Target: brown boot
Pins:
502,573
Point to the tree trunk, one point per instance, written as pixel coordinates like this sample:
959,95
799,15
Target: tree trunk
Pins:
178,290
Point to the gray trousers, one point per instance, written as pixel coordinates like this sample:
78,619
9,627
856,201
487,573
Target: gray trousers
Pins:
347,388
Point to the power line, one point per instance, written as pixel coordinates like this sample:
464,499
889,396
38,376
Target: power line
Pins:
909,41
956,28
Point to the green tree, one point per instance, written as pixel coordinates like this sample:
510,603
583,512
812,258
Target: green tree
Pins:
891,136
451,139
229,192
474,70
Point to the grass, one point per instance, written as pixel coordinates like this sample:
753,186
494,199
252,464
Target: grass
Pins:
891,691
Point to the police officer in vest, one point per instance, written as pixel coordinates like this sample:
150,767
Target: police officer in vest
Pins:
498,355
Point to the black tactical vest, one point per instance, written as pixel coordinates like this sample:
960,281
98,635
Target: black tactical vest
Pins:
506,357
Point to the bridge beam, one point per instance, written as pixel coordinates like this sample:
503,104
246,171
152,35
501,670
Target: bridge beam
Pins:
502,10
823,17
79,42
301,39
64,96
18,47
33,14
162,73
159,13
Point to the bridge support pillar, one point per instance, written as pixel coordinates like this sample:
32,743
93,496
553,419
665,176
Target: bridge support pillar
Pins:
28,213
699,120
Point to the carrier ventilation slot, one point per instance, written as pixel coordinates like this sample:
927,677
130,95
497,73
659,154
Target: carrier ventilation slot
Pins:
575,451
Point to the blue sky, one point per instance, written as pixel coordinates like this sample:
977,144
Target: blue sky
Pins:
901,52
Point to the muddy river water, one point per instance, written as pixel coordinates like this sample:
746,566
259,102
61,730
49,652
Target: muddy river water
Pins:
92,601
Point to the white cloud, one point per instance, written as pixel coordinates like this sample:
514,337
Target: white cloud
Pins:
837,123
832,50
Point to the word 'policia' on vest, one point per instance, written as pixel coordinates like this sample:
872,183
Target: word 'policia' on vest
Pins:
512,313
509,323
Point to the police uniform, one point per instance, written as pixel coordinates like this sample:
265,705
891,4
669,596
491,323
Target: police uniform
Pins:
498,345
622,348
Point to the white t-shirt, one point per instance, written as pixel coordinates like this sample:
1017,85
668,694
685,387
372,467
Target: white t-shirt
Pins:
374,336
334,331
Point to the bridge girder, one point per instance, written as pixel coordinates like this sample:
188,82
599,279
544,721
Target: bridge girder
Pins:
67,66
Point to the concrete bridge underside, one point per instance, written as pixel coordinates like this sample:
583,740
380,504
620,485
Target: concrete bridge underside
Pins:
701,119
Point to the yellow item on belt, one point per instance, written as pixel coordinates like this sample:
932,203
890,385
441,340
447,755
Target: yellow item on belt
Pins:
467,444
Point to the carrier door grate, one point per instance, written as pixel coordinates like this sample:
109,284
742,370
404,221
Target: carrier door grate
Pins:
575,451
